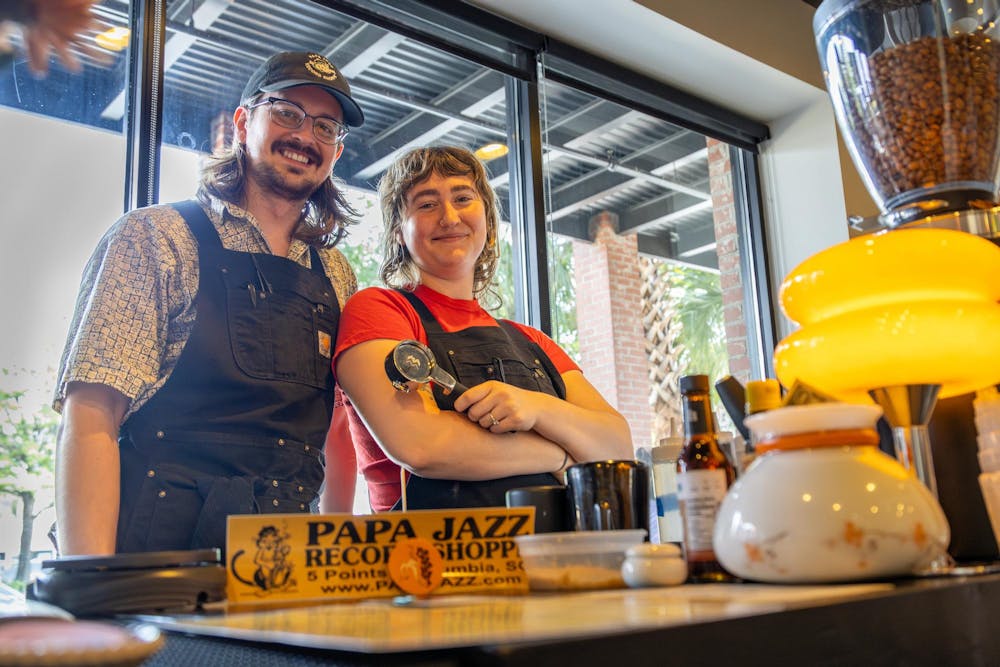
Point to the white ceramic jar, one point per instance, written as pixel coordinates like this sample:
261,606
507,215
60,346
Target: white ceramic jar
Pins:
822,504
649,565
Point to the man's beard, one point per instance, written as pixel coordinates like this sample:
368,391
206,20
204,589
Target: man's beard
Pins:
272,180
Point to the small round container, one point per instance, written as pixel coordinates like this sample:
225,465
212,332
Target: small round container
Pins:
647,565
576,560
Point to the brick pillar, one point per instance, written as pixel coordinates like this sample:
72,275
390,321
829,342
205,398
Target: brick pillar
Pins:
609,311
728,251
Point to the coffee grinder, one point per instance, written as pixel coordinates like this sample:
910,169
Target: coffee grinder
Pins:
907,315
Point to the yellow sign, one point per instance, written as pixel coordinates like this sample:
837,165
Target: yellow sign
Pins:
296,557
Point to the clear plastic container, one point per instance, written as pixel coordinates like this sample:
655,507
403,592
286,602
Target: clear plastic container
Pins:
648,565
577,560
916,90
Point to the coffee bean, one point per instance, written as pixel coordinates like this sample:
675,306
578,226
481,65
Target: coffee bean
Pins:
918,123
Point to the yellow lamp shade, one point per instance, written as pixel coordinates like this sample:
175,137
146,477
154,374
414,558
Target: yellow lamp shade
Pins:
900,266
914,306
927,342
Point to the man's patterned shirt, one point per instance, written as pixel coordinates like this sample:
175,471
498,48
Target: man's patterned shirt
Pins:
135,309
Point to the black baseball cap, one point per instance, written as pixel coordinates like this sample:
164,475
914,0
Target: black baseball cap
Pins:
301,68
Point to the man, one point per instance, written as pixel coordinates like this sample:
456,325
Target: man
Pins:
196,379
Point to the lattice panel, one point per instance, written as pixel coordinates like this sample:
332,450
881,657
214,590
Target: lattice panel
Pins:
661,327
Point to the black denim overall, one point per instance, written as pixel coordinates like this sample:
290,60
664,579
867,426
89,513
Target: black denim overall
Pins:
239,426
473,356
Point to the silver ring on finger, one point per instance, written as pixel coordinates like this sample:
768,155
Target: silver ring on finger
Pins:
493,420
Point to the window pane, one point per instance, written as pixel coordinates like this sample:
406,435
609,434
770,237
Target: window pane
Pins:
412,95
64,160
645,268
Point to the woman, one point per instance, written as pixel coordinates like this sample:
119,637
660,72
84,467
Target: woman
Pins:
529,412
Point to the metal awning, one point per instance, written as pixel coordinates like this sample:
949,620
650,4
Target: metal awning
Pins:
598,155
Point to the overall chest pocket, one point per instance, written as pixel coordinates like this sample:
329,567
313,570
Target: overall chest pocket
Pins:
280,334
511,370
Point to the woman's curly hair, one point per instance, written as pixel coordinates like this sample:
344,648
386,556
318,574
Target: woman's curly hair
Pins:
398,268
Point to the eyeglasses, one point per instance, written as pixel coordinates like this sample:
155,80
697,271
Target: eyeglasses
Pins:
290,115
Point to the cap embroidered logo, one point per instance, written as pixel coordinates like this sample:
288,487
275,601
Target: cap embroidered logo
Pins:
321,67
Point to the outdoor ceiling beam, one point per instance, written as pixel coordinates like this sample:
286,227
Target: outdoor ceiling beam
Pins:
576,199
417,129
660,248
173,48
598,177
184,36
651,215
647,176
672,217
369,54
602,130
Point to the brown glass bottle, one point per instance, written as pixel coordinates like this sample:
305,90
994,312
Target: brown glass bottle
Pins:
703,476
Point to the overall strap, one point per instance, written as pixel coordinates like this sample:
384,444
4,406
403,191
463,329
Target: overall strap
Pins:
315,263
208,236
431,325
199,223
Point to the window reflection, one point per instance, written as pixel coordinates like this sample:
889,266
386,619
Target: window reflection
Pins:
654,196
645,273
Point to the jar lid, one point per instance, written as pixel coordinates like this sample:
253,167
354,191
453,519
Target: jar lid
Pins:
795,419
815,425
651,550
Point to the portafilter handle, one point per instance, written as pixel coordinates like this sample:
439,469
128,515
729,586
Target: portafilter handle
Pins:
412,361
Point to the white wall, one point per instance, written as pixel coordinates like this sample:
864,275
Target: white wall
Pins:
62,189
803,215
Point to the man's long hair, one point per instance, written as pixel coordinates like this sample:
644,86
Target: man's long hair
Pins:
398,268
325,217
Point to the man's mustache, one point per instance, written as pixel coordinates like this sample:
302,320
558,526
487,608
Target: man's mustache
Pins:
298,148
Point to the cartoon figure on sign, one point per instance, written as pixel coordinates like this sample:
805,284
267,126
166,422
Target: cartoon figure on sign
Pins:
274,570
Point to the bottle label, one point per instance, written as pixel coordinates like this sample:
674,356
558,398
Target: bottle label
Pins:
700,492
668,510
697,415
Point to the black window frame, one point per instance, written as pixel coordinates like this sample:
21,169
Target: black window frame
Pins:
484,38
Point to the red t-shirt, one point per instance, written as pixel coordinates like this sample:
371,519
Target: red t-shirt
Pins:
375,313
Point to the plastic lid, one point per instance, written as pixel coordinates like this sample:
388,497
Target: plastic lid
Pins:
812,418
690,383
651,550
578,542
763,395
668,449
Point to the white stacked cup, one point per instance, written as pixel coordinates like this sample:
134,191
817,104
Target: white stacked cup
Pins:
987,409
